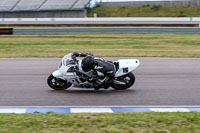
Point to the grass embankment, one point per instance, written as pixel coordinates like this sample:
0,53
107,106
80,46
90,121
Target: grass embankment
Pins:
118,45
146,11
101,123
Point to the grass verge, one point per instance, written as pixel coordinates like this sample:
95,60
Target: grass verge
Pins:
101,123
111,45
146,11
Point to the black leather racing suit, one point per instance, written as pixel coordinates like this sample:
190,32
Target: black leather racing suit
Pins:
102,67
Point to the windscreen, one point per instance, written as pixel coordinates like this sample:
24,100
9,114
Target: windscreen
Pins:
67,60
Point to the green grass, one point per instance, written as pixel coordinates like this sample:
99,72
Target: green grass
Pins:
111,45
146,11
101,123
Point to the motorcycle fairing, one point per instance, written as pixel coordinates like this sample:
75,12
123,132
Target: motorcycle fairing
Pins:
126,66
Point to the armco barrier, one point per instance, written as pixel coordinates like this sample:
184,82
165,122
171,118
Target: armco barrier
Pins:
124,21
6,31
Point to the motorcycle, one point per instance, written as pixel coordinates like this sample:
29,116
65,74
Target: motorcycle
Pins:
70,73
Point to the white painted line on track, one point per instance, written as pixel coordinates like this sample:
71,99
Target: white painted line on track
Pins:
13,110
169,110
91,110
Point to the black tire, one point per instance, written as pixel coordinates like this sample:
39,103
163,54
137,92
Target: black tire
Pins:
58,84
131,81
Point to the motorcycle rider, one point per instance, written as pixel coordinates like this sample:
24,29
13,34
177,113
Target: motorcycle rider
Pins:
101,68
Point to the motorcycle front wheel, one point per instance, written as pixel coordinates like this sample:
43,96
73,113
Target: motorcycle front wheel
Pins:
57,84
128,80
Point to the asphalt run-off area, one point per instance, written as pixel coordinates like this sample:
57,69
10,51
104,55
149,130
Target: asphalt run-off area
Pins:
159,81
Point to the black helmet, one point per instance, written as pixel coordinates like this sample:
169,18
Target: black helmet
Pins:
88,63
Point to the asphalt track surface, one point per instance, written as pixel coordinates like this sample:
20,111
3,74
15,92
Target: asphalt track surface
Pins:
159,81
107,31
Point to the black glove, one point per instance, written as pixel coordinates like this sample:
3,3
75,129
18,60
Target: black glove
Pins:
74,55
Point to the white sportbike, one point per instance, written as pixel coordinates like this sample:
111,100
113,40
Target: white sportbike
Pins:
70,73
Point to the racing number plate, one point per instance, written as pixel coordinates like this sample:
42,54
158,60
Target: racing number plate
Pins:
125,70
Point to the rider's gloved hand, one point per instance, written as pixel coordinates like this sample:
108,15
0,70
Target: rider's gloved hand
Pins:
74,55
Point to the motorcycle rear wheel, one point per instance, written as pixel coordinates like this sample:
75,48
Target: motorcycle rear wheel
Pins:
57,84
128,79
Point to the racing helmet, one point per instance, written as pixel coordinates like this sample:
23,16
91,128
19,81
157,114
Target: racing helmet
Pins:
88,63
